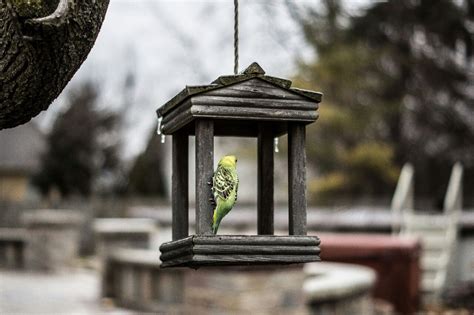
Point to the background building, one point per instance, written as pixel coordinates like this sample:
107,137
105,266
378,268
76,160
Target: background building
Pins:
20,152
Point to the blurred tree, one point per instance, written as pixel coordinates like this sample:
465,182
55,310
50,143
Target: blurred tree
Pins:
396,80
146,178
427,52
349,146
82,154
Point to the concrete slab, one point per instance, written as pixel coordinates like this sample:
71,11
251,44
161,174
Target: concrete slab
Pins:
74,292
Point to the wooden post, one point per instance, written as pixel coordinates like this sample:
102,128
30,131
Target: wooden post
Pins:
179,186
297,178
265,205
204,130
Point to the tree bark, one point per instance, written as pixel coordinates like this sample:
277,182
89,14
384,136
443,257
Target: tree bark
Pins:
38,56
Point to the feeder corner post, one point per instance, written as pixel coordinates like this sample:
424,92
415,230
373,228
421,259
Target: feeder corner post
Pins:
297,178
204,131
265,180
179,186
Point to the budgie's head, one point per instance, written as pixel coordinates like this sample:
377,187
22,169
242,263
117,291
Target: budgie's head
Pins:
228,161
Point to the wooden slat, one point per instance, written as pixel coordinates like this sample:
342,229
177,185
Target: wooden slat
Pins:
266,103
179,187
255,88
176,244
183,261
178,252
297,179
237,128
182,108
238,260
237,113
265,206
253,113
177,122
215,260
204,130
254,250
256,240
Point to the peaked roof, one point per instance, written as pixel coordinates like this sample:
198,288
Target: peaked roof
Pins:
252,71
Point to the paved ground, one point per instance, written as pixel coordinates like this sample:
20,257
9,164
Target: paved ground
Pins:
74,292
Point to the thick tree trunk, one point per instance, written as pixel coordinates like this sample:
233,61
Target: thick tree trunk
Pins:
39,56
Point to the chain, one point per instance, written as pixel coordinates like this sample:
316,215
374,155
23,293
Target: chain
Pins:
236,36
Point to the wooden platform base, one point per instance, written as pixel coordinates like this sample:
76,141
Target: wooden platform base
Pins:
226,250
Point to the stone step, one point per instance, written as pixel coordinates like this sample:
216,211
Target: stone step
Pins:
423,227
414,228
437,234
427,222
433,263
430,283
430,232
435,244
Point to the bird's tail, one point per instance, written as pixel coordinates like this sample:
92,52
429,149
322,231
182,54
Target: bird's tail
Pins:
215,223
214,228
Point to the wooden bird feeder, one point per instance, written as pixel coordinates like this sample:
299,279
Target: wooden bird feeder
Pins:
250,104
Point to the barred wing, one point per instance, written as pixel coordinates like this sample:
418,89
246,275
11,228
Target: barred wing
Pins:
222,183
236,188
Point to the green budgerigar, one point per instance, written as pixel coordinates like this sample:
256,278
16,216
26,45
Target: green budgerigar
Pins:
225,184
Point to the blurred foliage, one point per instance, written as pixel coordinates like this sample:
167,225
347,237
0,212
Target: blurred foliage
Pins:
82,149
395,79
147,178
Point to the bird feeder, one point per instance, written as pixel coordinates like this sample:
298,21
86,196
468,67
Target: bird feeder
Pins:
250,104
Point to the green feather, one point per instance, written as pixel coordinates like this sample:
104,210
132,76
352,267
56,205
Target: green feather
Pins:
225,184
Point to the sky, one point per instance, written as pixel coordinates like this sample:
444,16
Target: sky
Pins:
167,45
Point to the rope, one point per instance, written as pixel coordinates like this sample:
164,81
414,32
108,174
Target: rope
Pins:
236,36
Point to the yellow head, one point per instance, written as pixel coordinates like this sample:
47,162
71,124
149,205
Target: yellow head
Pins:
228,161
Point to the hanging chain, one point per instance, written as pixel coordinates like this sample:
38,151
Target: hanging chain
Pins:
236,36
236,55
236,58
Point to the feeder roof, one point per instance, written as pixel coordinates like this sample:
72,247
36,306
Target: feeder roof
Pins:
250,95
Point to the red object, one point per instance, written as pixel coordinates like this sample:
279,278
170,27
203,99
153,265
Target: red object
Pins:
395,260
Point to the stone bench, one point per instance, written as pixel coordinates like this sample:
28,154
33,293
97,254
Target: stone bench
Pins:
133,279
335,288
114,233
48,242
12,248
52,239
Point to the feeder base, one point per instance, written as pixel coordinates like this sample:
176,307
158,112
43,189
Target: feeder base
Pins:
239,250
